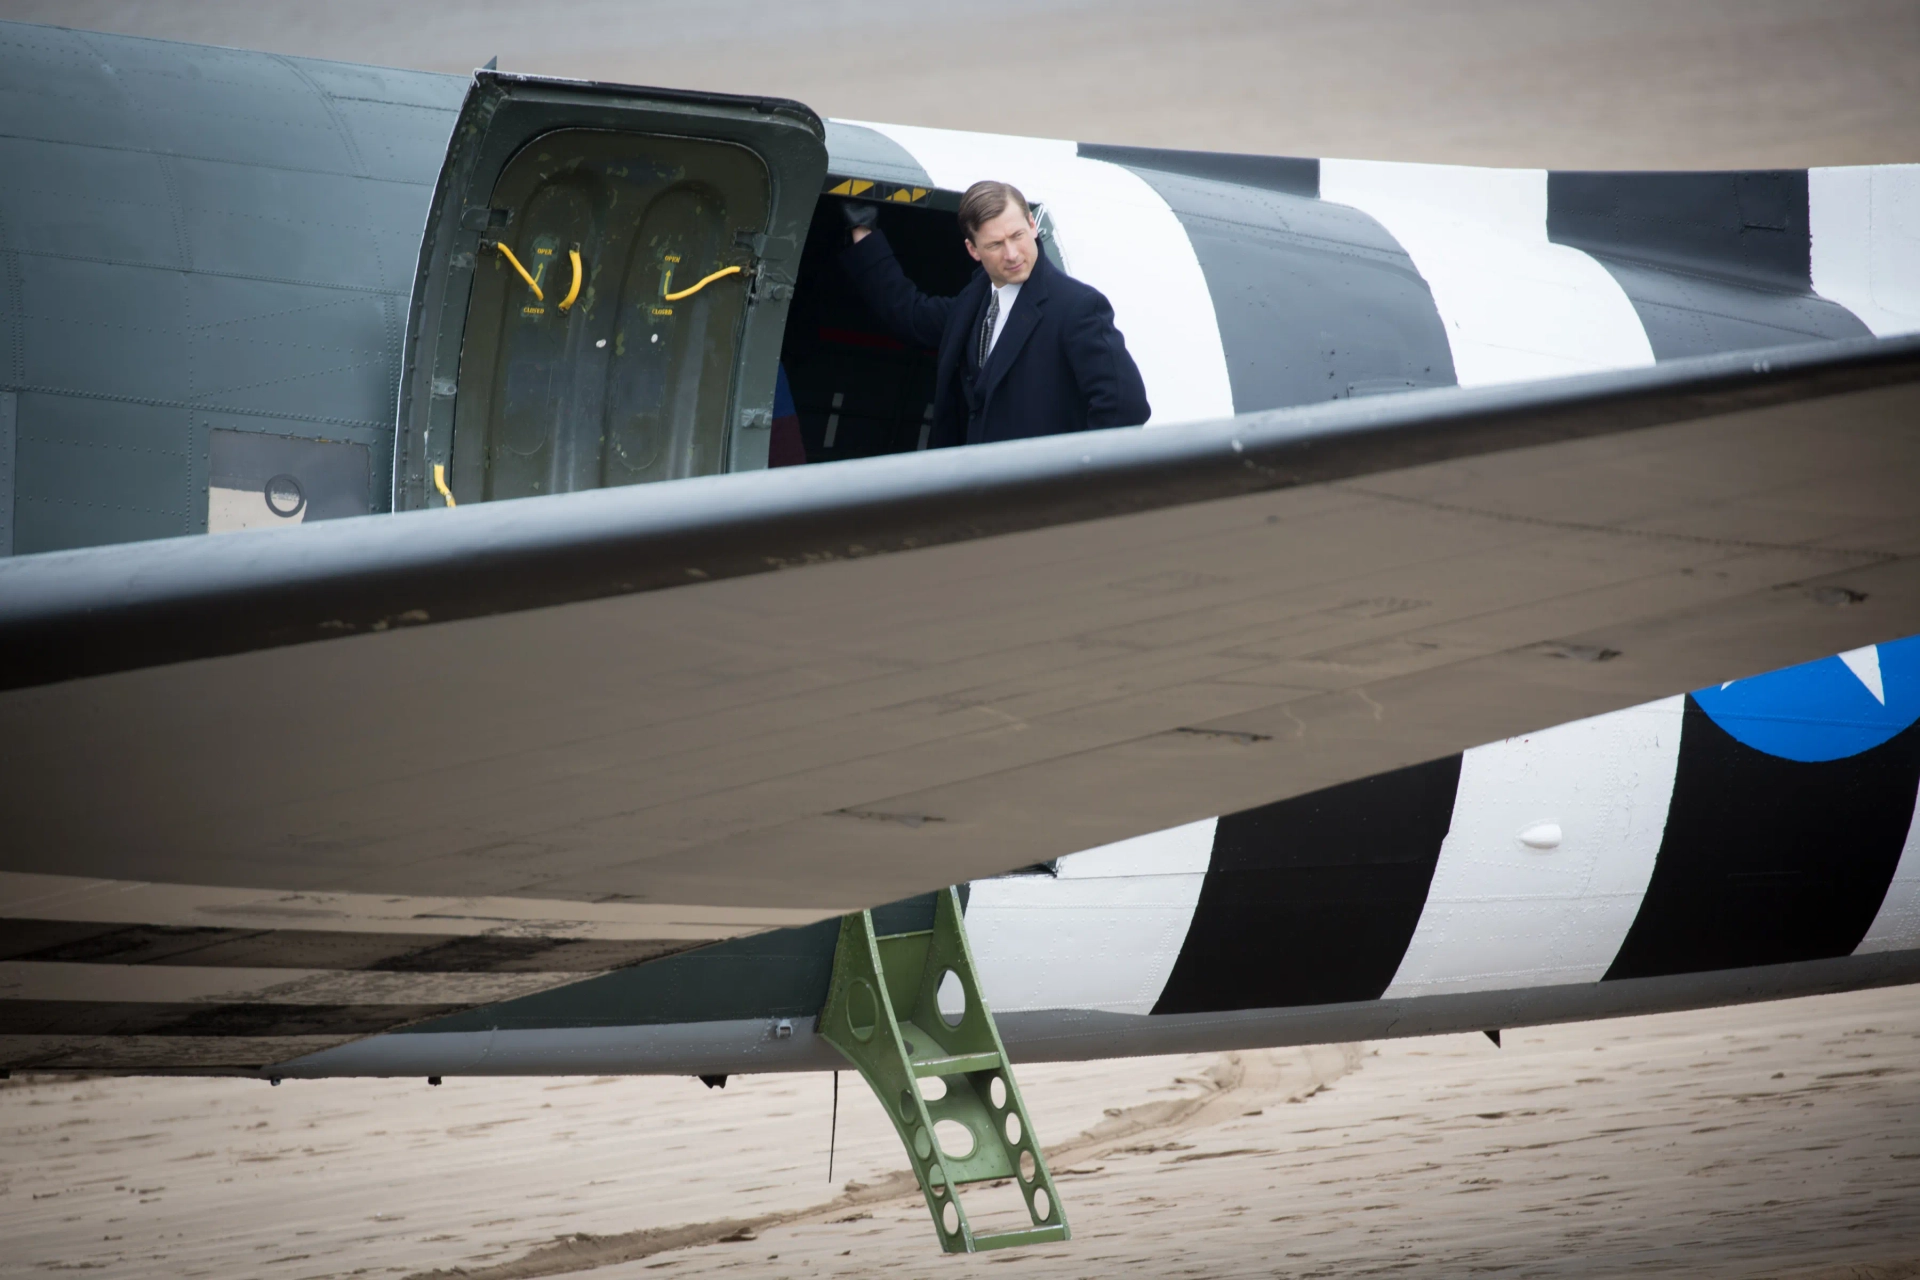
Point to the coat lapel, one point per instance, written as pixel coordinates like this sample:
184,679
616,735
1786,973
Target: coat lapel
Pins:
972,304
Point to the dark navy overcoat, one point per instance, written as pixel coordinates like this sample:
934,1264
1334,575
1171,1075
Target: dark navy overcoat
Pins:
1059,364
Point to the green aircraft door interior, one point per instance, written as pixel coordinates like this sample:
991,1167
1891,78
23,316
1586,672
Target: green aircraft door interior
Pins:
623,385
602,289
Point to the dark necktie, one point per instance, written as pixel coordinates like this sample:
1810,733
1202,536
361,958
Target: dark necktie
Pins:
986,327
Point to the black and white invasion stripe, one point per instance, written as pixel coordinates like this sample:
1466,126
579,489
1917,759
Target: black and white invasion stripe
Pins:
1643,843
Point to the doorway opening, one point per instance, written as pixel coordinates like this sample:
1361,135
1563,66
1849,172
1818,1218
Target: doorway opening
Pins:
859,391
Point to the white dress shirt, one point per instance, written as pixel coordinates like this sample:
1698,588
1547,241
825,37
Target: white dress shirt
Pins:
1006,293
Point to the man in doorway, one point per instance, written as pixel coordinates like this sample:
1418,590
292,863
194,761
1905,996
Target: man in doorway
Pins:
1025,349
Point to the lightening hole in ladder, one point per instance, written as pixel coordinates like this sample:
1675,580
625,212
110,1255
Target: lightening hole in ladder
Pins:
950,1218
906,1105
997,1091
863,1010
1013,1129
956,1140
933,1088
1028,1166
1042,1207
922,1144
952,999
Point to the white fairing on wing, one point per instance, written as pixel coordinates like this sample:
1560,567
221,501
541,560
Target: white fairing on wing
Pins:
1116,233
1102,934
1504,913
1896,926
1515,306
1866,243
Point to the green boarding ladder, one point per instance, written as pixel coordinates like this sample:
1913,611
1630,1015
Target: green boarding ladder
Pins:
883,1012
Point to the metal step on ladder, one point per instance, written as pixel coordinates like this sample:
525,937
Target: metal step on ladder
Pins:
905,1008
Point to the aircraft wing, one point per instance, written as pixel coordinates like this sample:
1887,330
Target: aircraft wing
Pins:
761,698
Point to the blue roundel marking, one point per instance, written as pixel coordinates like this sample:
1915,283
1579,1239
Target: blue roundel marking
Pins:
1823,710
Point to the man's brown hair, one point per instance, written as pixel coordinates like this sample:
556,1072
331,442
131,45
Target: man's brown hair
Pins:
985,201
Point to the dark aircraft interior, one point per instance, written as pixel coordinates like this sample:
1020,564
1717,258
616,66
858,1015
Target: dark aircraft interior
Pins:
860,391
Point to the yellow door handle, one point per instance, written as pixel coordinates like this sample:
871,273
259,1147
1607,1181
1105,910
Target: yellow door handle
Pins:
692,289
573,293
440,482
515,264
573,256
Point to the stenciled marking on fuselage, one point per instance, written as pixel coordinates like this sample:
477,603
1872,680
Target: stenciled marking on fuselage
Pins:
1115,232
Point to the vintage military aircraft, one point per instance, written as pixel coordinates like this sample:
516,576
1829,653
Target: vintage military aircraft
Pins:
561,770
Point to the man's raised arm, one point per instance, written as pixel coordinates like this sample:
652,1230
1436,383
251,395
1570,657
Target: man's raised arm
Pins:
911,315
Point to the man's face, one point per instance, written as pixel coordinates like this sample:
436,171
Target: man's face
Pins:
1007,246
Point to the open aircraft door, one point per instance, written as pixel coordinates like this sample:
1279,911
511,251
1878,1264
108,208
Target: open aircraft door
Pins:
602,288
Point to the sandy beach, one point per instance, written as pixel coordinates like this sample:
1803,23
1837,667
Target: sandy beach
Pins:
1768,1140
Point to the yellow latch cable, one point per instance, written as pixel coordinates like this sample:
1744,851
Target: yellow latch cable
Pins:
440,483
515,264
690,290
574,292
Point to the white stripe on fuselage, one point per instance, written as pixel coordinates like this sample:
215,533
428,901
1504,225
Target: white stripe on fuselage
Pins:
1503,914
1116,233
1515,306
1865,224
1102,934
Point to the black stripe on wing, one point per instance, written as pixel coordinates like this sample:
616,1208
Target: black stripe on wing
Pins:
1313,900
1767,860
